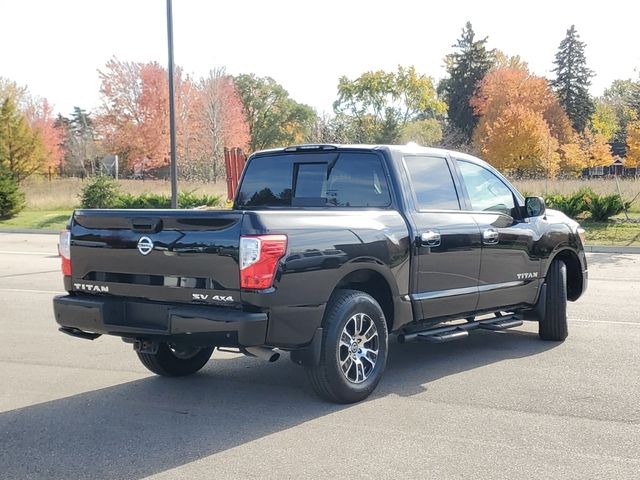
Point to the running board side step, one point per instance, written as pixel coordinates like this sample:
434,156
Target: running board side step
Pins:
442,337
449,333
502,324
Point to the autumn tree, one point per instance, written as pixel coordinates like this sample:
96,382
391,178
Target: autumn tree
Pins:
519,142
466,67
40,116
21,149
38,113
633,145
597,149
502,60
623,96
521,127
604,120
134,118
573,157
222,120
387,107
10,89
274,119
573,79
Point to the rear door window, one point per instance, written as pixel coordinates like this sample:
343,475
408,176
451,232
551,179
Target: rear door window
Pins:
432,183
357,180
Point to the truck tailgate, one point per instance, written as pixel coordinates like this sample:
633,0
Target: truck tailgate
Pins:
188,256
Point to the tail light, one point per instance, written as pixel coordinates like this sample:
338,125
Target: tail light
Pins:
64,248
259,257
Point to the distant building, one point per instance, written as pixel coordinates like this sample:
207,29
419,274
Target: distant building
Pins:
617,168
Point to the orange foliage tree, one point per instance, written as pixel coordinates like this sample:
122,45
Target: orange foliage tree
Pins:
134,118
134,121
39,114
633,145
522,127
597,149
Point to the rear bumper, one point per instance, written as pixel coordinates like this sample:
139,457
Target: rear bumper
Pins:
162,321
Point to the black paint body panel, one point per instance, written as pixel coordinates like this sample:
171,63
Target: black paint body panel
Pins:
196,254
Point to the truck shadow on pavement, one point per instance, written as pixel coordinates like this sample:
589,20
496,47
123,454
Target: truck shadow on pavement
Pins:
155,424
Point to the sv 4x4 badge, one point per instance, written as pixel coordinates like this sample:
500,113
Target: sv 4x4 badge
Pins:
205,297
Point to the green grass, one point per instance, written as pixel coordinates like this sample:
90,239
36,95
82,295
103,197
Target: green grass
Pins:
612,233
38,219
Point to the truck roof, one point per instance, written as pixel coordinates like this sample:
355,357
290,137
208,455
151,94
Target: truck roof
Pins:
409,148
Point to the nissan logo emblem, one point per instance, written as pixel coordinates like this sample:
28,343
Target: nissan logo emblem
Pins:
145,245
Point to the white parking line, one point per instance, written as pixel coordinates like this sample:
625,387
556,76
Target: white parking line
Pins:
12,252
613,322
24,290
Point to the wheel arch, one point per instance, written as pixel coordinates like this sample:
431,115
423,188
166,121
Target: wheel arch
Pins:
373,283
575,279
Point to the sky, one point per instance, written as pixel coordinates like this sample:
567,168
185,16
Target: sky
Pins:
56,47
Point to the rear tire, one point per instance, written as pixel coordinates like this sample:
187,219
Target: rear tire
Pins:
553,325
354,348
170,362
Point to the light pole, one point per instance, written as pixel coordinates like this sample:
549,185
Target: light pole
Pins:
172,112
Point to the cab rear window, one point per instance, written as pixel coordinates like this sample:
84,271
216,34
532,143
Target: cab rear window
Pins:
346,179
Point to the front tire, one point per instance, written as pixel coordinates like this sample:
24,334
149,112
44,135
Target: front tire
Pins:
354,348
171,361
553,325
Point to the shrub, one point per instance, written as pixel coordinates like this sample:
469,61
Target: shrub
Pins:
145,200
189,199
100,192
11,197
571,205
186,199
603,207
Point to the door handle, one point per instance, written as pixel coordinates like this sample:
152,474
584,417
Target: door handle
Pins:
430,238
490,236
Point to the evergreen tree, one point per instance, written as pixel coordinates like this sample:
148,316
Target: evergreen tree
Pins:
11,197
466,68
78,142
81,122
21,150
573,79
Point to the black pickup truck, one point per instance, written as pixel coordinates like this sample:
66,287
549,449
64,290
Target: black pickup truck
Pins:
327,251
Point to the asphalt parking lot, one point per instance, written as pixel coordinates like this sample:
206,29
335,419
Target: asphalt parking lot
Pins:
495,405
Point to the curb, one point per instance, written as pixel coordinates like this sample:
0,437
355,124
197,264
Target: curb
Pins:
610,249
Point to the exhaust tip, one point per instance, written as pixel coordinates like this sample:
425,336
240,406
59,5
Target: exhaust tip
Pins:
269,354
274,357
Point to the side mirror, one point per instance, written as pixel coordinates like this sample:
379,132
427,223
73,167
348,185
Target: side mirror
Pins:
534,207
